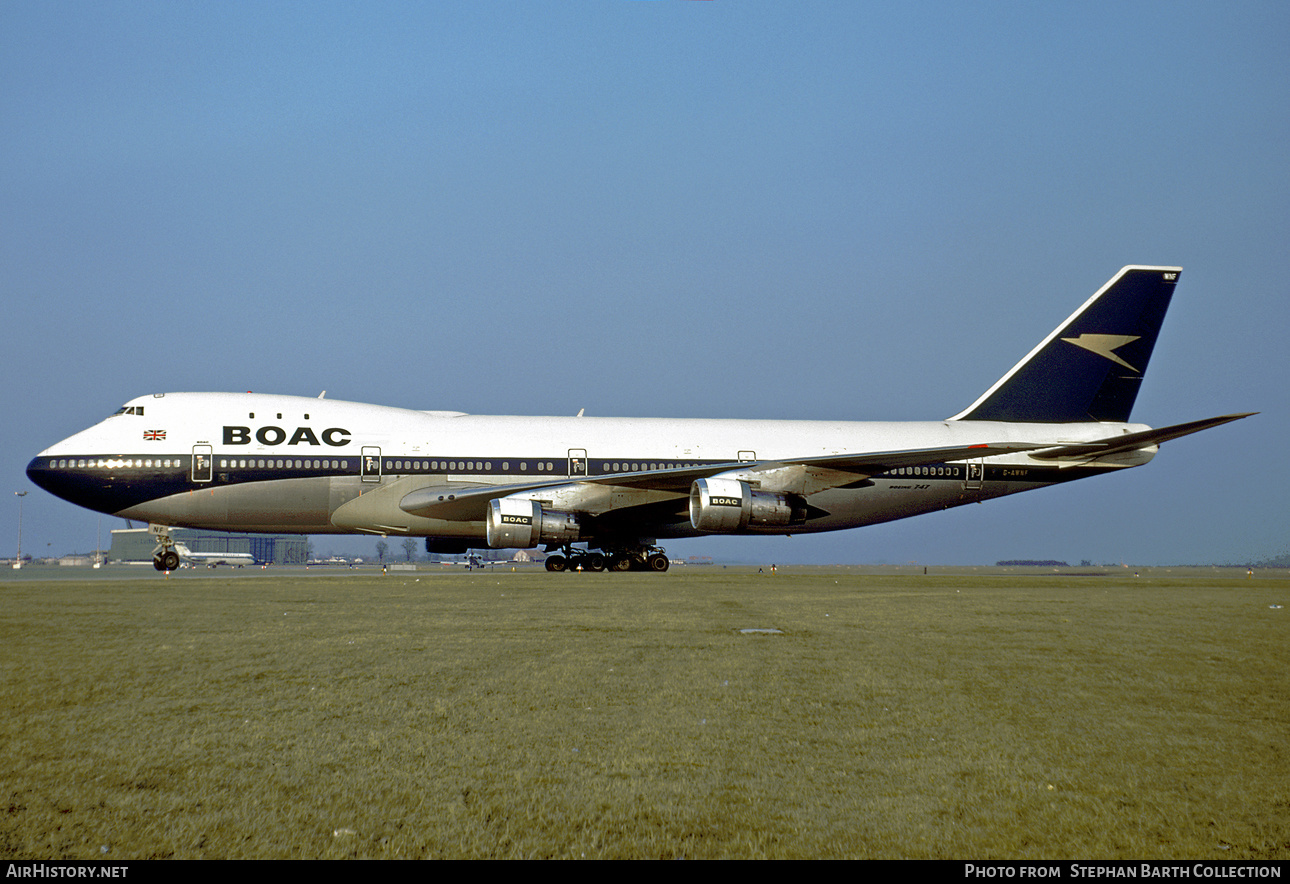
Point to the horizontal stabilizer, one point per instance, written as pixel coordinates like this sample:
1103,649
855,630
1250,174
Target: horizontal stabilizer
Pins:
1132,441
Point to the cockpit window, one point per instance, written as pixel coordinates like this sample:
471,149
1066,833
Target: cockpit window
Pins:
128,409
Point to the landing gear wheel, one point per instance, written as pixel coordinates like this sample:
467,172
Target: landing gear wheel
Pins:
169,560
620,563
594,562
156,563
657,562
556,563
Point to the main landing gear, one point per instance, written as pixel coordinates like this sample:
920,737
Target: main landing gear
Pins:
645,558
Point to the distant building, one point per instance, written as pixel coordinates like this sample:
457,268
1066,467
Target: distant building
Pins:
1031,563
136,545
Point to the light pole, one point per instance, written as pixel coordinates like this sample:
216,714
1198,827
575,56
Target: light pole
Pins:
17,563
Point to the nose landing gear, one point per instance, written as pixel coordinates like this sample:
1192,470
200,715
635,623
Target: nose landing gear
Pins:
164,557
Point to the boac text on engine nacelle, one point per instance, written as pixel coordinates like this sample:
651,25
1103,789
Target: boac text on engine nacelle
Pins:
519,523
728,505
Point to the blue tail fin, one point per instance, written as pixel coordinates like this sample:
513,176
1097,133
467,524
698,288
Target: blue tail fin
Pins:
1091,366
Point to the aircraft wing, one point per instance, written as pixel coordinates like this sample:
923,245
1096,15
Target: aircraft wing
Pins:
470,503
880,462
1131,441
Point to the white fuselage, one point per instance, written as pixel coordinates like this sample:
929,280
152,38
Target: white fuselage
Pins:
267,463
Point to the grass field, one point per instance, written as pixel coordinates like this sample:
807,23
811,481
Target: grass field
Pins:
434,714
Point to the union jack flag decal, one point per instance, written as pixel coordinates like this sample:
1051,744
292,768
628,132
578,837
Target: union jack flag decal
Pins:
154,435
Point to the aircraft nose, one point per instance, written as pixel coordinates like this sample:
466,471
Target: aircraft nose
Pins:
81,487
106,485
38,473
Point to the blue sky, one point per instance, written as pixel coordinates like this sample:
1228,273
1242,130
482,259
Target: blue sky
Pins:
727,209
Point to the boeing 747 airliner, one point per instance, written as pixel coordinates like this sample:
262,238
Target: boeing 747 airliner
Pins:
601,492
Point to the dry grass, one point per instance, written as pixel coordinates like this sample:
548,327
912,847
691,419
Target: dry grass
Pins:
533,715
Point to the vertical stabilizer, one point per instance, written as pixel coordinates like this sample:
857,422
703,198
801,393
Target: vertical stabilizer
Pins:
1091,367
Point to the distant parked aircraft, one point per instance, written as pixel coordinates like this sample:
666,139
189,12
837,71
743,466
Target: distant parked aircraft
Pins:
213,559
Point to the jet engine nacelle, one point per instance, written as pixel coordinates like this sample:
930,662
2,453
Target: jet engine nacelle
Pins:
725,505
518,523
